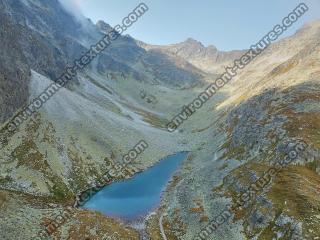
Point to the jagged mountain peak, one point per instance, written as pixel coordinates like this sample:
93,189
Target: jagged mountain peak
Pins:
193,42
212,48
103,26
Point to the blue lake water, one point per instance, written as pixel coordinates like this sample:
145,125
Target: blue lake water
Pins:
132,198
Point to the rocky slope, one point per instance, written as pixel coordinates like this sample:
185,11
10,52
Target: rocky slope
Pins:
129,93
270,104
34,36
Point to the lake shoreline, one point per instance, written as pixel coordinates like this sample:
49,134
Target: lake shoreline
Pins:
151,192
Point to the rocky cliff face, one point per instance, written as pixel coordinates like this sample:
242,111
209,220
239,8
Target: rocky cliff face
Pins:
152,66
34,36
129,93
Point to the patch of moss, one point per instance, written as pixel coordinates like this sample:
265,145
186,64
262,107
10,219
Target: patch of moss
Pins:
270,232
233,152
284,68
305,126
174,227
5,180
154,120
61,192
295,192
105,227
28,154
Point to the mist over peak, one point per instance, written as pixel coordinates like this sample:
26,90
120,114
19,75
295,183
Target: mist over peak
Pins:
73,7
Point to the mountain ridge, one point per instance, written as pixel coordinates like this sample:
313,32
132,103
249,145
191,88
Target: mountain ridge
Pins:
129,93
208,59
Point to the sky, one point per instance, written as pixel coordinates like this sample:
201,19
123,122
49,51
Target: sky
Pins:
226,24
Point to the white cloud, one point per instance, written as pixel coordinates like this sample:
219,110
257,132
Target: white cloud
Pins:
73,7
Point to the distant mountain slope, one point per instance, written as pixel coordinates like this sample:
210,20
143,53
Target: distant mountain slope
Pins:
153,67
208,59
42,36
